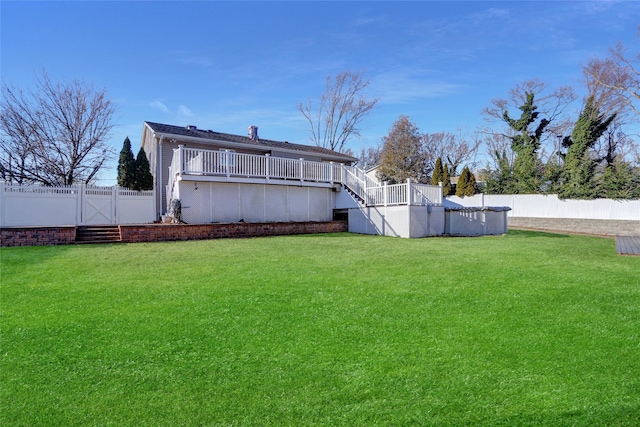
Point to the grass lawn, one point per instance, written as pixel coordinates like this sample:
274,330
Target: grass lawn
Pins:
338,329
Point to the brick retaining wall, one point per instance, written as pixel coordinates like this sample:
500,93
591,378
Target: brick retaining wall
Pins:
37,236
169,232
43,236
605,227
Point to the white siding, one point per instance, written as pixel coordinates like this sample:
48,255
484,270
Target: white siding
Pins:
208,202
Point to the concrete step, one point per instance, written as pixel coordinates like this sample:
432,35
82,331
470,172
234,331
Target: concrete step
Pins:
98,234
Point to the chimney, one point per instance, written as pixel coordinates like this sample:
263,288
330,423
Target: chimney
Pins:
253,133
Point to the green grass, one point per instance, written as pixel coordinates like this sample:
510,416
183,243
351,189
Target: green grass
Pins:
523,329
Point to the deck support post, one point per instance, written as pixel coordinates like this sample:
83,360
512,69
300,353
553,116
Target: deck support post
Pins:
267,167
385,193
180,159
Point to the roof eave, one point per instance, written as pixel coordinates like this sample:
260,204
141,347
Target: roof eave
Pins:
266,149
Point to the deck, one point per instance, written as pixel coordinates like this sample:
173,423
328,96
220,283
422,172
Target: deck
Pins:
190,164
628,245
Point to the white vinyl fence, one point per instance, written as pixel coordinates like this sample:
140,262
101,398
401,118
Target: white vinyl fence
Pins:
27,205
549,206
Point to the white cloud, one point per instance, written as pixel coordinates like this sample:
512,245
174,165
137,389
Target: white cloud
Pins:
490,15
185,111
159,106
402,86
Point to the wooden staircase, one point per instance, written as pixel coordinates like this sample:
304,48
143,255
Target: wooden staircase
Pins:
98,234
355,195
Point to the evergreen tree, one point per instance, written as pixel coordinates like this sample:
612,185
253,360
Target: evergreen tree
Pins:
467,185
126,166
501,181
577,177
619,181
402,156
472,185
461,185
438,173
446,181
527,167
144,179
552,173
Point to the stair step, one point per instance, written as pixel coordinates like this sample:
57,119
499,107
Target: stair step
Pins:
355,195
98,234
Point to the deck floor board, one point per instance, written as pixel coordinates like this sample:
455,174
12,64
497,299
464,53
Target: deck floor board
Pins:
628,245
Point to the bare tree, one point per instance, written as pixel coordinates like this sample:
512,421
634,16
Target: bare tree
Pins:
601,80
454,150
617,76
614,144
499,150
369,157
55,135
340,111
614,83
551,103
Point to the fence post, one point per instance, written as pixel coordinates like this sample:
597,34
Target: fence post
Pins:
80,200
331,172
441,201
409,192
114,202
226,163
1,203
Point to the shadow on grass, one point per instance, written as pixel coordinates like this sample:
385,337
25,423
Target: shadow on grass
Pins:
614,416
342,234
530,233
27,255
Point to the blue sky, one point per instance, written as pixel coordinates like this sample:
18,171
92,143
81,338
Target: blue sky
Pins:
227,65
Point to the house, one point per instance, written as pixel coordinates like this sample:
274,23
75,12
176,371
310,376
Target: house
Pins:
479,180
224,178
221,177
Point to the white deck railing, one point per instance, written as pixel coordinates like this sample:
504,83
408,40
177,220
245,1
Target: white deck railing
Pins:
225,163
408,193
359,182
230,164
423,194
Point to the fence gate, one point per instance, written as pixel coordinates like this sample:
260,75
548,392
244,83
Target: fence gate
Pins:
98,206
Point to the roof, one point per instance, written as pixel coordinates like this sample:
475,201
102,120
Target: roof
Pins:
193,132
